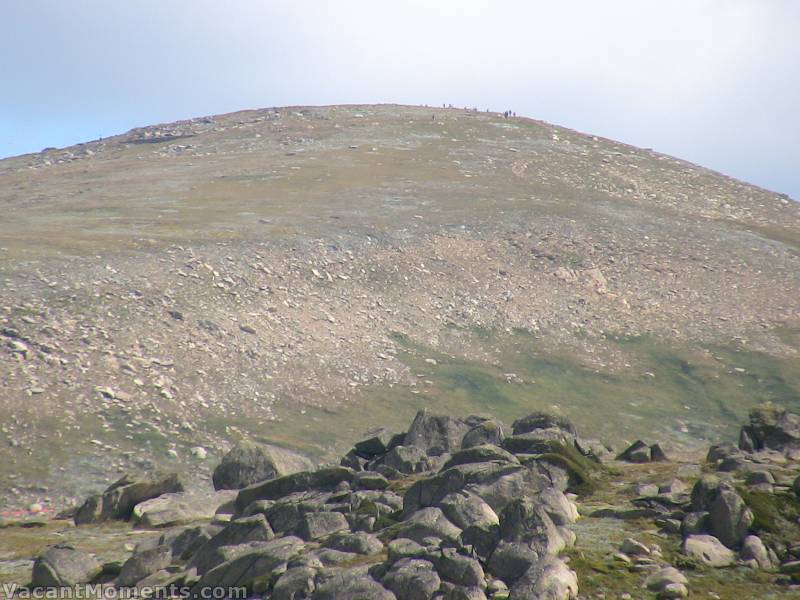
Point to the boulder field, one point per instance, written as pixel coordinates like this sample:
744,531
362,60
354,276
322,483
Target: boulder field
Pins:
453,508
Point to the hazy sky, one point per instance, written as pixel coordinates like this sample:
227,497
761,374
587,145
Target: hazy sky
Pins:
714,81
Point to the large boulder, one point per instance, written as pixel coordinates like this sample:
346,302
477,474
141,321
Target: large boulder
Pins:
350,584
755,552
511,560
428,522
180,509
142,564
538,441
64,566
286,514
235,533
549,579
465,509
706,490
771,427
490,431
359,542
316,525
378,441
436,434
407,460
478,454
540,420
730,518
708,550
249,462
496,483
459,569
412,579
528,535
561,510
326,479
294,584
120,498
526,520
257,561
664,577
464,593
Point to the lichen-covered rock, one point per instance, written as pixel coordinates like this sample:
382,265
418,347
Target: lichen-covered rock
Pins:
412,579
378,441
464,593
511,560
142,564
121,497
325,479
660,579
407,460
261,560
538,441
240,531
436,434
730,518
428,522
558,507
718,452
497,483
401,547
479,454
549,579
350,584
358,543
754,550
539,420
490,431
708,550
525,520
294,584
459,569
178,509
316,525
706,490
286,514
695,523
465,509
249,462
64,566
772,427
632,547
638,452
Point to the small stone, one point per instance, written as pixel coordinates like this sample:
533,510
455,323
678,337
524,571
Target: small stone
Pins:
633,548
199,452
35,508
659,580
638,452
672,591
791,568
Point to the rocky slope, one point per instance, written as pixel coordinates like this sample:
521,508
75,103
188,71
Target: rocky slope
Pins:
457,508
296,275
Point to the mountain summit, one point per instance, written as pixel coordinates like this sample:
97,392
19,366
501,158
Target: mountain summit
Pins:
296,275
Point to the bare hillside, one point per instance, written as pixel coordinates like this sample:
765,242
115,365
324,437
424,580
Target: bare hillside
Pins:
298,274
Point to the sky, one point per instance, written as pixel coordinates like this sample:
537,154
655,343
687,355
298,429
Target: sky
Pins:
716,82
